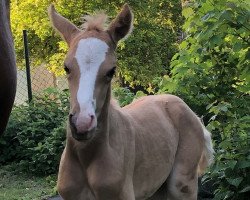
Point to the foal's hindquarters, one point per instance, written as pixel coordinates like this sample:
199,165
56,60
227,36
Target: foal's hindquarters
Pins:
169,146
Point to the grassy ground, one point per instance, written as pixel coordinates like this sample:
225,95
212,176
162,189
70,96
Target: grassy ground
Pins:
17,186
14,185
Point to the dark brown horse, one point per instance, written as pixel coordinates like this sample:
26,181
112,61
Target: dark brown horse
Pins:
7,66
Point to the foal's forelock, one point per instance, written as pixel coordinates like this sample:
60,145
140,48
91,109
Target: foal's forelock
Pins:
90,54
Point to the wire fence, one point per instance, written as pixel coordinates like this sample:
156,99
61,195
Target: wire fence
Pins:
41,79
34,80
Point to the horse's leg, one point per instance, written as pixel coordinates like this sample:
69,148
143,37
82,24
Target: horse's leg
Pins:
161,193
128,191
113,189
70,179
183,180
174,188
182,185
127,195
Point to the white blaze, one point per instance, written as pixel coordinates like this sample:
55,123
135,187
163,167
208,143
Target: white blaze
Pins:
90,54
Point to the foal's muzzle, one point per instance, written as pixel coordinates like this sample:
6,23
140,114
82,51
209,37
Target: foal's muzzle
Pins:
81,129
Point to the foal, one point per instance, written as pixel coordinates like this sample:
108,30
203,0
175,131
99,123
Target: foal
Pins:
150,149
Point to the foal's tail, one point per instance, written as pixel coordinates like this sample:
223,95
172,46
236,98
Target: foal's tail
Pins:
207,156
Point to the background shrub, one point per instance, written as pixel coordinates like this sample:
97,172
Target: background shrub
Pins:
211,73
36,133
124,96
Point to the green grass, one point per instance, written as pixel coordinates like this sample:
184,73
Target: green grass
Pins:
14,185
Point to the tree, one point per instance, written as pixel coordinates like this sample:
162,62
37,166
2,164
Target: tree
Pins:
142,57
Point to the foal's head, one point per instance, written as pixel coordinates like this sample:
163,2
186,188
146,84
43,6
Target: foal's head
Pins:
90,65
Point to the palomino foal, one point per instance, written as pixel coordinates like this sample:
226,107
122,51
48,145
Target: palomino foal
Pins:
150,149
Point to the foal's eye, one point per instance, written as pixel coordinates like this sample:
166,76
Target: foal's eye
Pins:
111,73
66,69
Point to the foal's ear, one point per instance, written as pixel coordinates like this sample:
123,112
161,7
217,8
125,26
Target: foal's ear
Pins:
122,24
66,29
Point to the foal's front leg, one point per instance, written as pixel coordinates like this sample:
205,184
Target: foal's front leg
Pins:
112,191
70,184
127,193
108,180
106,195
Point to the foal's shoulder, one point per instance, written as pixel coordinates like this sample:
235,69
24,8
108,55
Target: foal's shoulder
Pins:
173,103
167,98
163,98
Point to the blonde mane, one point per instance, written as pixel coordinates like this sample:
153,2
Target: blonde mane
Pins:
96,22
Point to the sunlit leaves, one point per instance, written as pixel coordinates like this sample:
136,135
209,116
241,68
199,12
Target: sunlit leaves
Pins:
143,56
187,12
211,72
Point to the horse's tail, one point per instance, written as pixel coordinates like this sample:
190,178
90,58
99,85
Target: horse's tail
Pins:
207,156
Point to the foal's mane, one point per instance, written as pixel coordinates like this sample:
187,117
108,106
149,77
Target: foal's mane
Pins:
96,22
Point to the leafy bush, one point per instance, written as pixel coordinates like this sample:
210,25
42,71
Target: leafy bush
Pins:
124,96
36,132
211,73
230,173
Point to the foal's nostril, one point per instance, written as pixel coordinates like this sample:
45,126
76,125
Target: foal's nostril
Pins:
71,121
70,117
91,119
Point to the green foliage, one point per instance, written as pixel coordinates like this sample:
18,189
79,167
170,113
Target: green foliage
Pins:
36,132
151,45
124,96
230,125
147,52
211,73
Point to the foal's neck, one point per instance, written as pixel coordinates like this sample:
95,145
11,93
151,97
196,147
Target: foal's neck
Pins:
103,119
101,136
105,134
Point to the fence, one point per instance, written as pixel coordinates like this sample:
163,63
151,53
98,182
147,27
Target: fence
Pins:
33,81
41,79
